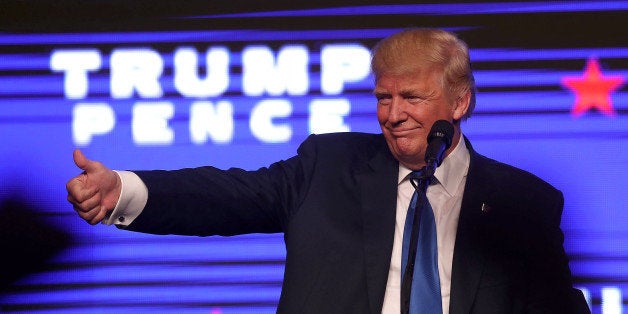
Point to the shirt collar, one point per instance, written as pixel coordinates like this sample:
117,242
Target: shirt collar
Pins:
451,172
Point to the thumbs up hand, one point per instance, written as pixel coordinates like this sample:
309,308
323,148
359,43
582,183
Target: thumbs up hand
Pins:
94,192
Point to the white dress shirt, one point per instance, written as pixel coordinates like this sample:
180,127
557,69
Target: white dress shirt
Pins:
445,198
133,198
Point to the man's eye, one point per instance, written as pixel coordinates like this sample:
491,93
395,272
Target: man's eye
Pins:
415,99
384,100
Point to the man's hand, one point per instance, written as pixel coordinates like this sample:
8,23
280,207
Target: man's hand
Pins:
94,192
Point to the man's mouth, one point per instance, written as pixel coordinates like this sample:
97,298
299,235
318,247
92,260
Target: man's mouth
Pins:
402,131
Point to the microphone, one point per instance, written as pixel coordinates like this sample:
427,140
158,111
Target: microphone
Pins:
438,141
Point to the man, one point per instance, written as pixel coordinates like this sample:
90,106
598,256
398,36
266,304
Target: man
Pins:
342,202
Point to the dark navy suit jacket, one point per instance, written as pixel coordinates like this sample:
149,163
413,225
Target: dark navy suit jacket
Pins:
335,203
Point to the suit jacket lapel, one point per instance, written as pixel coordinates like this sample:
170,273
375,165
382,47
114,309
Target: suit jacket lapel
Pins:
469,250
377,183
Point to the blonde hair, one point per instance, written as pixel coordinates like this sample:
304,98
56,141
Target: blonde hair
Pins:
416,49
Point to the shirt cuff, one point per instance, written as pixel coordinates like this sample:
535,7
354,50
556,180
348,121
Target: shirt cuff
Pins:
133,198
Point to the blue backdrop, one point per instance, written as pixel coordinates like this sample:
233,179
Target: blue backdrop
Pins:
141,85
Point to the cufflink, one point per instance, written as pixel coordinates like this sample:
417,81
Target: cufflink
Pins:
121,219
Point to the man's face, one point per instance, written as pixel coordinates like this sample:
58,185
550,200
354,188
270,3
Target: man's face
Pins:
407,106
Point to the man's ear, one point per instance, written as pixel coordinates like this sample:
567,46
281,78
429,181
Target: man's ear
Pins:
461,106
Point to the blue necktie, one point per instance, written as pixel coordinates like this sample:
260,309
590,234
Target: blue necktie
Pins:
424,295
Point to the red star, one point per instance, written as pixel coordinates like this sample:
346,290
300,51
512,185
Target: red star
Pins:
593,90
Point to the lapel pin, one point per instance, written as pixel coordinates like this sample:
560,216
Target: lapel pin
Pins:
486,208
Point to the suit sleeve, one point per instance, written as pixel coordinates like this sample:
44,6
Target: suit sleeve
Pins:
209,201
551,286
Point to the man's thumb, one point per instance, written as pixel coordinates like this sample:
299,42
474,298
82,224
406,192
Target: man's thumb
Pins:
81,161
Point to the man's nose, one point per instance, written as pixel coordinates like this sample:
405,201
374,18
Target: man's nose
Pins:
397,111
